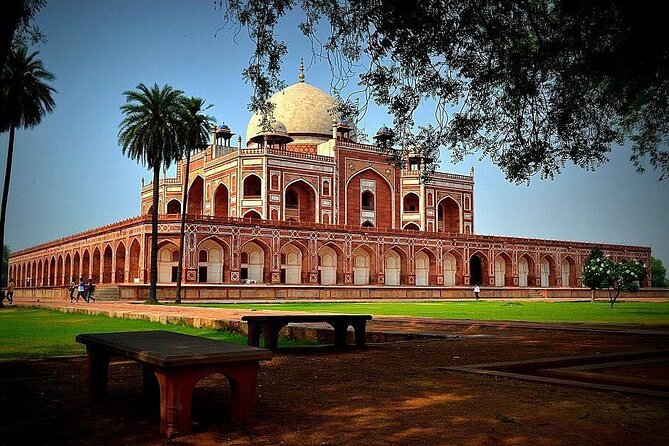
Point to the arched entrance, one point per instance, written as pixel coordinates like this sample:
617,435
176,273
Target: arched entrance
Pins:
369,197
252,268
252,186
168,262
411,227
210,262
291,265
568,270
68,269
120,264
411,203
196,197
107,265
448,216
300,203
59,271
503,271
422,266
547,272
221,201
253,215
362,266
393,268
477,270
95,271
174,207
133,273
86,266
450,268
327,266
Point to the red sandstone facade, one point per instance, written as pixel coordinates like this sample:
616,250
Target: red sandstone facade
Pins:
305,204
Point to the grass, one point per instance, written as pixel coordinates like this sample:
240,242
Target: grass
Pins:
30,333
641,313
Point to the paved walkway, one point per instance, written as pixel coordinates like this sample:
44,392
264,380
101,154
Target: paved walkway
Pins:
230,319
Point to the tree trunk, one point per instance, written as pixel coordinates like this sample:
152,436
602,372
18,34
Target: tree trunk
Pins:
5,196
154,235
184,209
592,295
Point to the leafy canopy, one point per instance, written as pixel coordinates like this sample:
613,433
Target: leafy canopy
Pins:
25,93
533,84
658,274
150,130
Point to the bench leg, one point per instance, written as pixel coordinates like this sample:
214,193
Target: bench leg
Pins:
176,395
243,379
360,335
253,334
341,331
271,333
98,372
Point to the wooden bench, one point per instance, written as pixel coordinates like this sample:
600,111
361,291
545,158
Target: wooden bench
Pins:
270,325
178,362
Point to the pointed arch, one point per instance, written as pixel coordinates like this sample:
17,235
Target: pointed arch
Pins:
59,271
252,186
96,265
52,271
395,266
133,266
547,270
168,260
425,267
107,257
330,264
195,200
119,266
173,206
478,269
370,180
86,265
254,261
253,215
411,227
526,270
76,266
221,201
211,256
453,266
68,269
300,202
448,216
503,270
411,203
294,263
364,265
568,272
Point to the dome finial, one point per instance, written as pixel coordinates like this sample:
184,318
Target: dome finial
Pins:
301,70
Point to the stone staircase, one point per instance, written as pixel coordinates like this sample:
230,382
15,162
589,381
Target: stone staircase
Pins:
107,292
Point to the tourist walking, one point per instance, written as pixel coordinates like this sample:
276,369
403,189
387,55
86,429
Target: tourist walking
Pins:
73,286
90,290
477,290
81,289
10,292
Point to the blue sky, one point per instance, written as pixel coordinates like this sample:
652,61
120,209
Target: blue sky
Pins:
69,174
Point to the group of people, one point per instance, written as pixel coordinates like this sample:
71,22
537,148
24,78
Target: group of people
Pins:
84,290
7,293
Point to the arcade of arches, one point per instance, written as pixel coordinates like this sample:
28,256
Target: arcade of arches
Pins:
295,257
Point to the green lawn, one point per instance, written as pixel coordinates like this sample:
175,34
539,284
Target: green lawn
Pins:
26,333
643,313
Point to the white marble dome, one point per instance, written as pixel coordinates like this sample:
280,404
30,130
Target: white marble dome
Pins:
305,112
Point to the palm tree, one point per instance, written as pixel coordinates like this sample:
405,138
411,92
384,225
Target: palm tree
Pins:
195,135
149,134
25,97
